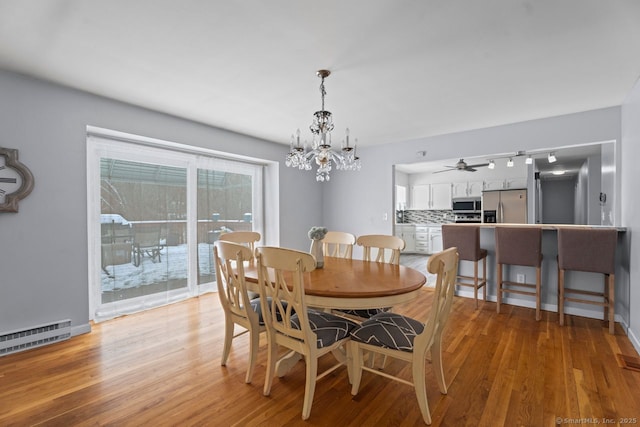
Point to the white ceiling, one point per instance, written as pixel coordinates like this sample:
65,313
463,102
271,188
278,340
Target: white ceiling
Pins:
401,69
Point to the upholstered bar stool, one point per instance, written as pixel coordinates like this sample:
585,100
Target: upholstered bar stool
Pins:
467,239
590,250
519,246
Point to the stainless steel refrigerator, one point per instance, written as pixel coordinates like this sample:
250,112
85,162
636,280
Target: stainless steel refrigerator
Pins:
508,206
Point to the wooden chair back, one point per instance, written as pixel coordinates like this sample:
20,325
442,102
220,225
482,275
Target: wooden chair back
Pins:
338,244
232,287
445,266
246,238
281,277
377,246
234,298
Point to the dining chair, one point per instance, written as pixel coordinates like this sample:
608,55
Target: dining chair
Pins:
407,339
290,324
338,244
247,238
235,300
376,247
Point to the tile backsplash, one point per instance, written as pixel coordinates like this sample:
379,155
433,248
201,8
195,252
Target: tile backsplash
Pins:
424,217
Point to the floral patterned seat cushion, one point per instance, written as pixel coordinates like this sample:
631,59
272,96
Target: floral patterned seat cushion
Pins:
328,327
388,330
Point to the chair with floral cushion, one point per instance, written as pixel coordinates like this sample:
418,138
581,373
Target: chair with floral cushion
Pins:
404,338
338,244
235,300
290,323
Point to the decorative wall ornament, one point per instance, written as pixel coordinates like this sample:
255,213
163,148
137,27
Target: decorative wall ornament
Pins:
16,180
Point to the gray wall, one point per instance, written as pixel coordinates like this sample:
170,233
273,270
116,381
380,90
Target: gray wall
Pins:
608,185
581,202
558,197
630,203
43,256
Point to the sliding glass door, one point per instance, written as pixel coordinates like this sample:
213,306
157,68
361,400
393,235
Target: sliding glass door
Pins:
157,213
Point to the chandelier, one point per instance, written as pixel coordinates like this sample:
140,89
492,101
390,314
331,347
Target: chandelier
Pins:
321,152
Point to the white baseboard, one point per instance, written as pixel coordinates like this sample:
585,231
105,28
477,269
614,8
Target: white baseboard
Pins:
633,337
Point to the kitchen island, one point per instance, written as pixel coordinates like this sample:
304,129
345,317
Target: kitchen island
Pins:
549,290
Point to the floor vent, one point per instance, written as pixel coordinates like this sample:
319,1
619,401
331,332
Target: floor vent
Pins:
37,336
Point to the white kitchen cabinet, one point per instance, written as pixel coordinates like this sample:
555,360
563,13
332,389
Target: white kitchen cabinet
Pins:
407,233
516,183
422,239
431,196
459,189
494,184
440,196
474,188
466,189
435,239
420,196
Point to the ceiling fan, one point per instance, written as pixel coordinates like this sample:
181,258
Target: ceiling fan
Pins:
463,166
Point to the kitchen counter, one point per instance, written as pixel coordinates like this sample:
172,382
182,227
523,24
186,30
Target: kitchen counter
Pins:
545,226
587,281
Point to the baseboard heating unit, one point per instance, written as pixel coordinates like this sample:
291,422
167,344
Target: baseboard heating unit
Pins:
33,337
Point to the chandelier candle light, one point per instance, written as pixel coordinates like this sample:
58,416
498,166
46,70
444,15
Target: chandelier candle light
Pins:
321,151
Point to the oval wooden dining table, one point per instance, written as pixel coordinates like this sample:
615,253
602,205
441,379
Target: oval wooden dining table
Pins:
356,284
350,283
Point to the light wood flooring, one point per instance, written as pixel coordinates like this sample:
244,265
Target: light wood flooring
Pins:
162,367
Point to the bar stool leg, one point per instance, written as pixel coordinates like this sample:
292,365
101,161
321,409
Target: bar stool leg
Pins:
612,303
484,277
475,282
499,287
561,297
538,283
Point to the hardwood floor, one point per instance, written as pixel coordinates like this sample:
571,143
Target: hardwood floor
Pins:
162,367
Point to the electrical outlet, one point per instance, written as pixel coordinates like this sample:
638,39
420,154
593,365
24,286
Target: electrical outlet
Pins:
520,278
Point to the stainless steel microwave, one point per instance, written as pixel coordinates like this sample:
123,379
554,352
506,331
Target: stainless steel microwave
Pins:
467,205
